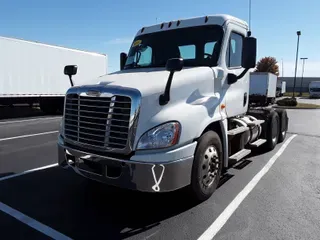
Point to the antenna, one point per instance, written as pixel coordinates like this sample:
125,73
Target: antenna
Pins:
249,32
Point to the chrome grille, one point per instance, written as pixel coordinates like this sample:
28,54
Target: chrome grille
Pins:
101,122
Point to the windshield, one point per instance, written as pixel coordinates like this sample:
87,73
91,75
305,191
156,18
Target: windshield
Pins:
198,46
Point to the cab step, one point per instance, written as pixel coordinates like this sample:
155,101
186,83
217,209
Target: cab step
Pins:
257,143
238,130
239,155
255,123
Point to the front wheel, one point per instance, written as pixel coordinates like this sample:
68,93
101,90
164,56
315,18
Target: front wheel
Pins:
207,166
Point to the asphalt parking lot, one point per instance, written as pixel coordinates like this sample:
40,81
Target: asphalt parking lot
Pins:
282,204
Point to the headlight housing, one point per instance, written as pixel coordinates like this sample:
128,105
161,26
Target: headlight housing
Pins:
162,136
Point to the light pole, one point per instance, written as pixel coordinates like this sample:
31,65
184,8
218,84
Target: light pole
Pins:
303,60
295,72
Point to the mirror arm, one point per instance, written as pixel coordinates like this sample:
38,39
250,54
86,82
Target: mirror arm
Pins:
71,82
243,73
165,97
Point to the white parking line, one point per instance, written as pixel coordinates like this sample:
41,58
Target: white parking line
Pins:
26,219
28,135
231,208
32,222
29,120
28,171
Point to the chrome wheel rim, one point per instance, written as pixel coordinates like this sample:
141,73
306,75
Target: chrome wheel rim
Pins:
209,166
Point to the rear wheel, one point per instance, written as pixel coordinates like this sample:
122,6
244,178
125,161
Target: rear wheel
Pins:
272,131
283,120
207,166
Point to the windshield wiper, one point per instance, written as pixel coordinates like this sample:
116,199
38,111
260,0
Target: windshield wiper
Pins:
132,65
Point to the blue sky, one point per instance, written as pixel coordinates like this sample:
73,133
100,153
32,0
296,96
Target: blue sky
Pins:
109,26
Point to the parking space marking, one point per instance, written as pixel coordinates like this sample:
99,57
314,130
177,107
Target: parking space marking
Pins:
32,222
28,120
28,171
215,227
28,135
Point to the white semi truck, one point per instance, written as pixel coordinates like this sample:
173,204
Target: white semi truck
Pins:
176,115
30,72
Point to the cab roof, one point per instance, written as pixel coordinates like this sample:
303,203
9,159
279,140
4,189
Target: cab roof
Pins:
217,19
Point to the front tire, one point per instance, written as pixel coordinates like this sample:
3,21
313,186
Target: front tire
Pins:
207,166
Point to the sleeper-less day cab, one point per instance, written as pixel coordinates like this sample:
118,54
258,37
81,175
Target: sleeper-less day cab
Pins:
177,113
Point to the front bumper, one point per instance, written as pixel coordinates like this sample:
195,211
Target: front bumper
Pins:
143,176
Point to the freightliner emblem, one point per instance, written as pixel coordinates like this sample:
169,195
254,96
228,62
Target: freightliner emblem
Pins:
93,93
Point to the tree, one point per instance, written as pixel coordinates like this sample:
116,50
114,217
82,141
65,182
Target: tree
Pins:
268,64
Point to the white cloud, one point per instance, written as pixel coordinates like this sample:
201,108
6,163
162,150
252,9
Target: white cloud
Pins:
119,41
311,68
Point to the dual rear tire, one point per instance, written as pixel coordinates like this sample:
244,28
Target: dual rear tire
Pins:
276,128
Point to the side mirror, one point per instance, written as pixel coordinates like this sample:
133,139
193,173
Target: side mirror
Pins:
249,52
123,59
174,64
70,70
232,78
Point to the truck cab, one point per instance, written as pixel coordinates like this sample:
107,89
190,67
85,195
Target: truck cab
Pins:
173,116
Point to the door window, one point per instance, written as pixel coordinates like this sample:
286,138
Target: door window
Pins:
234,51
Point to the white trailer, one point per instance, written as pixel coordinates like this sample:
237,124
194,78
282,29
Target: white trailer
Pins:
33,72
177,114
263,87
281,88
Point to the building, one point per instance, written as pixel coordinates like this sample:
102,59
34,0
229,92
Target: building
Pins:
305,83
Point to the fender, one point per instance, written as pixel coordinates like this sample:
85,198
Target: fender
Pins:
221,127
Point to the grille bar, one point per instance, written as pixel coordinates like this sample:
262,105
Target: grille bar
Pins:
101,122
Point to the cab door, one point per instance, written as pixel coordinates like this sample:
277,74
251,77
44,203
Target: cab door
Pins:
236,94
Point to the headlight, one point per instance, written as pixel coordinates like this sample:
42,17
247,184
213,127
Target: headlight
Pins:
162,136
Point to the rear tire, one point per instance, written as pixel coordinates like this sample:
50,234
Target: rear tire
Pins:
283,119
207,166
272,131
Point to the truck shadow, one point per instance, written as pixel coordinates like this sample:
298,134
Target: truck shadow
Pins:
23,111
82,210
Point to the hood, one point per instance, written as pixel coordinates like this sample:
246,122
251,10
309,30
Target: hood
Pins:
191,87
147,81
152,80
